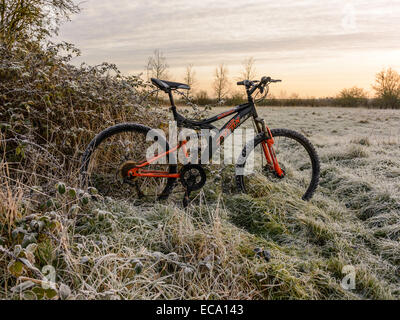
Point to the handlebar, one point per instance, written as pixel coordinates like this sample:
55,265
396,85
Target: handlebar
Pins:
264,81
251,86
247,83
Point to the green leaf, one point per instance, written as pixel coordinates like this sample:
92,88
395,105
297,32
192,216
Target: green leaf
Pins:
51,293
16,268
93,191
85,199
39,292
49,203
138,268
72,192
20,151
61,188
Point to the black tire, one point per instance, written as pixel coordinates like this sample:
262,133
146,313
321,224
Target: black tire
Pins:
276,133
122,128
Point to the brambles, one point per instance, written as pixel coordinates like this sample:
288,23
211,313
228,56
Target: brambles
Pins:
51,109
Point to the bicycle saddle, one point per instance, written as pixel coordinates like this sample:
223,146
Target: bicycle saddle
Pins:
168,85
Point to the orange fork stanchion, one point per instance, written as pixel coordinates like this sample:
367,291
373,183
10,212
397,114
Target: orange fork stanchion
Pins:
270,154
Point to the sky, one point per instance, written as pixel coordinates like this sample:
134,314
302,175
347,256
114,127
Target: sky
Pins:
316,47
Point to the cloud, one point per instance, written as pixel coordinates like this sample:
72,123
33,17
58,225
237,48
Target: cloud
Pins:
207,32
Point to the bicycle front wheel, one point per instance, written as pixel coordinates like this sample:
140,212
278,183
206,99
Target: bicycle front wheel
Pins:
296,157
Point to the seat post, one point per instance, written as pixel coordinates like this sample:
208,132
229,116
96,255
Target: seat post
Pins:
173,107
171,99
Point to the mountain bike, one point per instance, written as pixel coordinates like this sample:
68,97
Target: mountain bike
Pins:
115,161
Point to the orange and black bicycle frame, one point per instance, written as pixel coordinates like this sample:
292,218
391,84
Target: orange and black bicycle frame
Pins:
241,113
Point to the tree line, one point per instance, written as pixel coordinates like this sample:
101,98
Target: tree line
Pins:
386,87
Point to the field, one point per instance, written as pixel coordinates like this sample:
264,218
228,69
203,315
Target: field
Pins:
234,246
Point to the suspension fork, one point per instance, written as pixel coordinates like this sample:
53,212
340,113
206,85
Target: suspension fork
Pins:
267,146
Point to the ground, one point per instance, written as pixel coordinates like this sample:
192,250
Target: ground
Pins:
270,245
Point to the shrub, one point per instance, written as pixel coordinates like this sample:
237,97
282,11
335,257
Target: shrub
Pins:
352,97
202,98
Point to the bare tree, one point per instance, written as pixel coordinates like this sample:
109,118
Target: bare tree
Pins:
190,77
221,84
387,87
249,70
157,66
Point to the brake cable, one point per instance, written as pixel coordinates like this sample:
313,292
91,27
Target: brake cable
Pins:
266,90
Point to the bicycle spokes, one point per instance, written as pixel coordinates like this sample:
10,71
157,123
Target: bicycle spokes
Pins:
285,161
112,161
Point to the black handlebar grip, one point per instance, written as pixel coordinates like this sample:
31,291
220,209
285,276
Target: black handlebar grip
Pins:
264,80
240,83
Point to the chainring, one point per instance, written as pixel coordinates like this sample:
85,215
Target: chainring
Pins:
193,177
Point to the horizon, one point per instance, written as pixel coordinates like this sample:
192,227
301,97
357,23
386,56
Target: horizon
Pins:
317,49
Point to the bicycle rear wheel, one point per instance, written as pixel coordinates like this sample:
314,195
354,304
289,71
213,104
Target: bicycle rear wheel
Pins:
296,157
112,152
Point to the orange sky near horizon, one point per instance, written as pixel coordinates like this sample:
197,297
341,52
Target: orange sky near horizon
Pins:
316,48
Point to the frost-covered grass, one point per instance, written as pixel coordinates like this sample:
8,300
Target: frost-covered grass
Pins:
268,245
